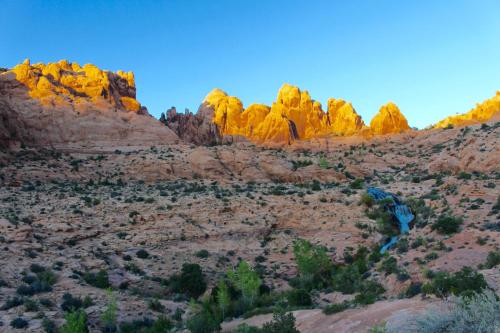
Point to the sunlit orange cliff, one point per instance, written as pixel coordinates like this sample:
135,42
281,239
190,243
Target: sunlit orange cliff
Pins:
64,103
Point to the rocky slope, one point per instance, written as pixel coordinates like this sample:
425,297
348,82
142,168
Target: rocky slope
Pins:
487,110
65,104
293,116
84,211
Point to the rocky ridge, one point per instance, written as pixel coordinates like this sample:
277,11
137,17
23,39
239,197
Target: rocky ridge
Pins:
293,116
67,104
484,111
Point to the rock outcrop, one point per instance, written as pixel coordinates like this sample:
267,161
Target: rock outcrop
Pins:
342,118
293,116
65,104
482,112
389,120
195,128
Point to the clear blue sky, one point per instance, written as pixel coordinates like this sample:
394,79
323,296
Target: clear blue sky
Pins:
432,58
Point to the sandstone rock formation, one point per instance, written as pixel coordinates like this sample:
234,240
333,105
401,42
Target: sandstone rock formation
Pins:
294,116
482,112
342,117
389,120
63,103
195,128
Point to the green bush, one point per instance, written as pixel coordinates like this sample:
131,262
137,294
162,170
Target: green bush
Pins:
142,254
98,280
19,322
70,303
299,297
447,224
190,281
389,265
48,325
367,200
357,184
147,325
463,282
203,254
244,328
203,322
335,308
313,264
493,259
282,323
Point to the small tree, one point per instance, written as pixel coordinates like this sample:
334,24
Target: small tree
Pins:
191,281
313,263
246,280
108,317
223,297
76,322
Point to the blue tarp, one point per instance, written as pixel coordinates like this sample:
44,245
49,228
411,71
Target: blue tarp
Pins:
397,209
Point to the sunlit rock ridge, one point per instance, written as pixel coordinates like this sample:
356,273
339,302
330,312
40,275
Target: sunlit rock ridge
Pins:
63,103
296,116
484,111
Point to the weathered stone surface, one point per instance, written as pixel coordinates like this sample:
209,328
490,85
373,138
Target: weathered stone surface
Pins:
482,112
342,118
389,120
64,104
195,128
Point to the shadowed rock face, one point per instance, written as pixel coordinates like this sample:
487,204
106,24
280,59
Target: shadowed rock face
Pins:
484,111
65,104
195,128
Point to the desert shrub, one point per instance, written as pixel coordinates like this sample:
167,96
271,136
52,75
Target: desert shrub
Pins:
76,322
12,303
39,283
203,254
493,259
48,325
142,254
203,322
146,325
357,184
98,280
463,282
335,308
30,305
447,224
367,200
299,297
156,305
71,303
19,322
389,265
478,313
369,292
347,279
244,328
413,289
190,281
282,323
464,175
